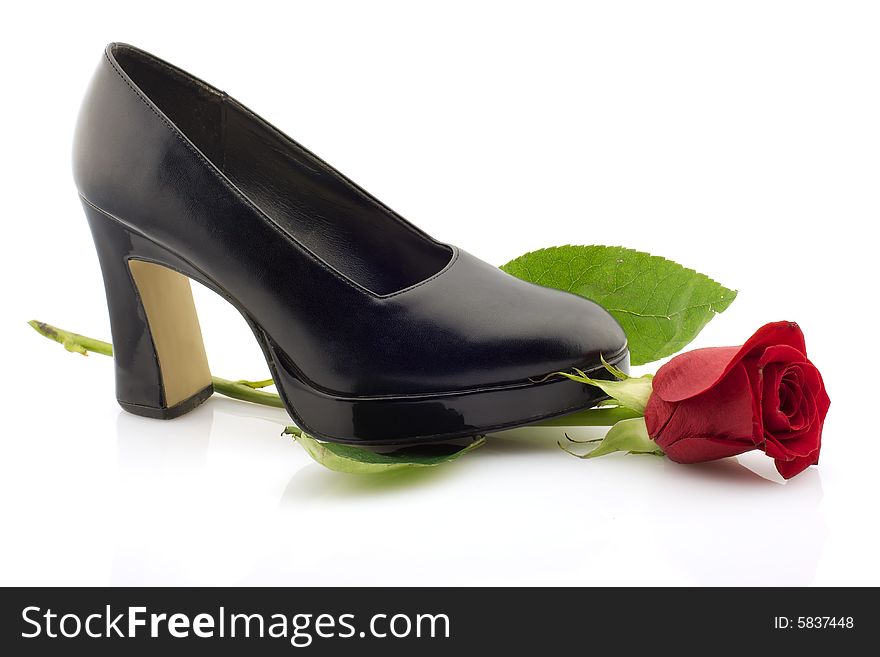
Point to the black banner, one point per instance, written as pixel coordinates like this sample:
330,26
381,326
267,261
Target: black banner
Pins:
430,621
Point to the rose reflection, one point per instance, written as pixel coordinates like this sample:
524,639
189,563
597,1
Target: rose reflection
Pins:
728,525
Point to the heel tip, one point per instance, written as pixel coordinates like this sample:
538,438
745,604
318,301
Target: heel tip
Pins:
172,412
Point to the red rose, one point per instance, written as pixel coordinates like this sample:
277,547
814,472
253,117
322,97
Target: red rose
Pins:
711,403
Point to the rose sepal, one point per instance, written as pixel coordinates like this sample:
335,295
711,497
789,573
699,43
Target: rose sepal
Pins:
629,391
629,436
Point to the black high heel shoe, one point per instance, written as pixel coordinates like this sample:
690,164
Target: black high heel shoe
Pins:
374,332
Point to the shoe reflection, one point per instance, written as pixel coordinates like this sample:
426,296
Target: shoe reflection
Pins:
148,446
199,501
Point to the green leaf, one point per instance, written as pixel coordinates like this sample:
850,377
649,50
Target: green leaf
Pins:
358,460
661,305
625,436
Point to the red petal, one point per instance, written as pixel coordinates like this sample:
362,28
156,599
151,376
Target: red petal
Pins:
657,414
794,444
771,404
789,469
696,371
725,413
781,353
697,449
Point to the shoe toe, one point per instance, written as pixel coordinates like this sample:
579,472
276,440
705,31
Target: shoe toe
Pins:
576,332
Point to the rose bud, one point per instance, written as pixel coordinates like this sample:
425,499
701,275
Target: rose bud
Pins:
717,402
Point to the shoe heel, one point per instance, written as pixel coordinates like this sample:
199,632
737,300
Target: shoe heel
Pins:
161,366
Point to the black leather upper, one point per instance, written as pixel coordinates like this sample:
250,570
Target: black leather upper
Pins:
362,302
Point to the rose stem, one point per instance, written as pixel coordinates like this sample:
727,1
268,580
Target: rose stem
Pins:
591,417
249,391
81,344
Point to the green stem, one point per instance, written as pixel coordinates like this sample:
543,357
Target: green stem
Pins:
81,344
245,391
591,417
249,391
72,341
265,383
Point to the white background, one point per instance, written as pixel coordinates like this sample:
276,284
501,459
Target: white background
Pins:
741,139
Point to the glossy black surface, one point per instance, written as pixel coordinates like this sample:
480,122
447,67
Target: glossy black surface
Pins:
373,330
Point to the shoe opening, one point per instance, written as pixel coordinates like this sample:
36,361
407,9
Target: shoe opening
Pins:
340,223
